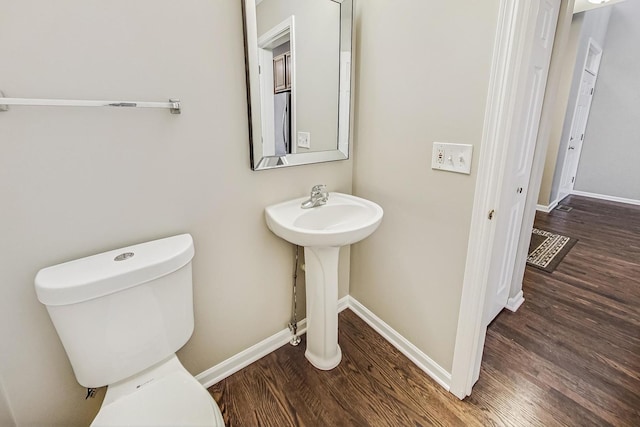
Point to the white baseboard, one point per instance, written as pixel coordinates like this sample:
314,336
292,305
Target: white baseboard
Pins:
547,209
344,303
424,362
606,197
243,359
515,302
246,357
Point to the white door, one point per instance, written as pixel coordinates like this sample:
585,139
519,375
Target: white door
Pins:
543,17
580,120
576,136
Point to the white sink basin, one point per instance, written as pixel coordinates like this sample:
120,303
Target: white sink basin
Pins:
343,220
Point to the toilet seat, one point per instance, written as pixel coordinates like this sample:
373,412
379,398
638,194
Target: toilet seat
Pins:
176,399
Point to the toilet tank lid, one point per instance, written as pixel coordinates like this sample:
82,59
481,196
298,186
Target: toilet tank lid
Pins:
105,273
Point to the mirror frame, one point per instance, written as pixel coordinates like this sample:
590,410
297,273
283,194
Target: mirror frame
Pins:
345,98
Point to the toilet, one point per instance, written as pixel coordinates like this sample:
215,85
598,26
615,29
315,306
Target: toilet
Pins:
121,316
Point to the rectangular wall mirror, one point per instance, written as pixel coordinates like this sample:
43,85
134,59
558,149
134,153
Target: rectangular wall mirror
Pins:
298,60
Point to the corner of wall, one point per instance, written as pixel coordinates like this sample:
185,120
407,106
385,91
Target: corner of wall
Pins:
6,415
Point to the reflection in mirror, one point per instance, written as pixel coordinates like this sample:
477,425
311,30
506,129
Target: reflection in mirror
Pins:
298,57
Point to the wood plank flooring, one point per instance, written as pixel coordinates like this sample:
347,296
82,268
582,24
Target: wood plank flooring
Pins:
569,356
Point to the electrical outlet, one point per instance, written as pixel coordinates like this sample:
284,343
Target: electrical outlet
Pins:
438,155
304,139
452,157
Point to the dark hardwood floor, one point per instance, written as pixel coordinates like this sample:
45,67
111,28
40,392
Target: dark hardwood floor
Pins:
569,356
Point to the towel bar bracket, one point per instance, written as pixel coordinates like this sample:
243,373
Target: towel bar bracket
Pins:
175,106
2,106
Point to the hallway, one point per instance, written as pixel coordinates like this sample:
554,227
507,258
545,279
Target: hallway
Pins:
573,348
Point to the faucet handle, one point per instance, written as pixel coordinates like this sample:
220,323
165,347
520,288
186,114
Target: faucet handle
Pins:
317,189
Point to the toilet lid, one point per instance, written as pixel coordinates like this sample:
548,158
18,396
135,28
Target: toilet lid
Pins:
176,399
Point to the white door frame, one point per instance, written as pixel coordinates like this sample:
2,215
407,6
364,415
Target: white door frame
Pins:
280,33
509,58
591,65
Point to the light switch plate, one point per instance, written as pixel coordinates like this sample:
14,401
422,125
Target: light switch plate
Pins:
304,139
452,157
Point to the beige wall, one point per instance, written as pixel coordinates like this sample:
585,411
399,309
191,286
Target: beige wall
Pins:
317,33
6,417
422,75
77,181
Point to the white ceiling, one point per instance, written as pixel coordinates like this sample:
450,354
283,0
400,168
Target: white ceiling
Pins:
582,5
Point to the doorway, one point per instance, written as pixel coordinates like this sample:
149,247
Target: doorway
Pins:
515,103
277,59
470,337
580,119
522,142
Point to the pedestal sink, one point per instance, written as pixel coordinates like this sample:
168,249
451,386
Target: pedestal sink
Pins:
322,230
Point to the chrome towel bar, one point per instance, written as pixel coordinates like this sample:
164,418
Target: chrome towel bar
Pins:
173,104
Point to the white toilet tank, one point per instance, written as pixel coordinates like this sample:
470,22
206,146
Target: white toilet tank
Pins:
120,312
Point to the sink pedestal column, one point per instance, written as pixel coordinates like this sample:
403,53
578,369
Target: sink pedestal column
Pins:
321,274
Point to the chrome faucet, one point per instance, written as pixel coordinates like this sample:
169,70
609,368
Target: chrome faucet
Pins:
319,196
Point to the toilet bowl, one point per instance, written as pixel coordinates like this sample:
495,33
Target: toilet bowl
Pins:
165,395
121,316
